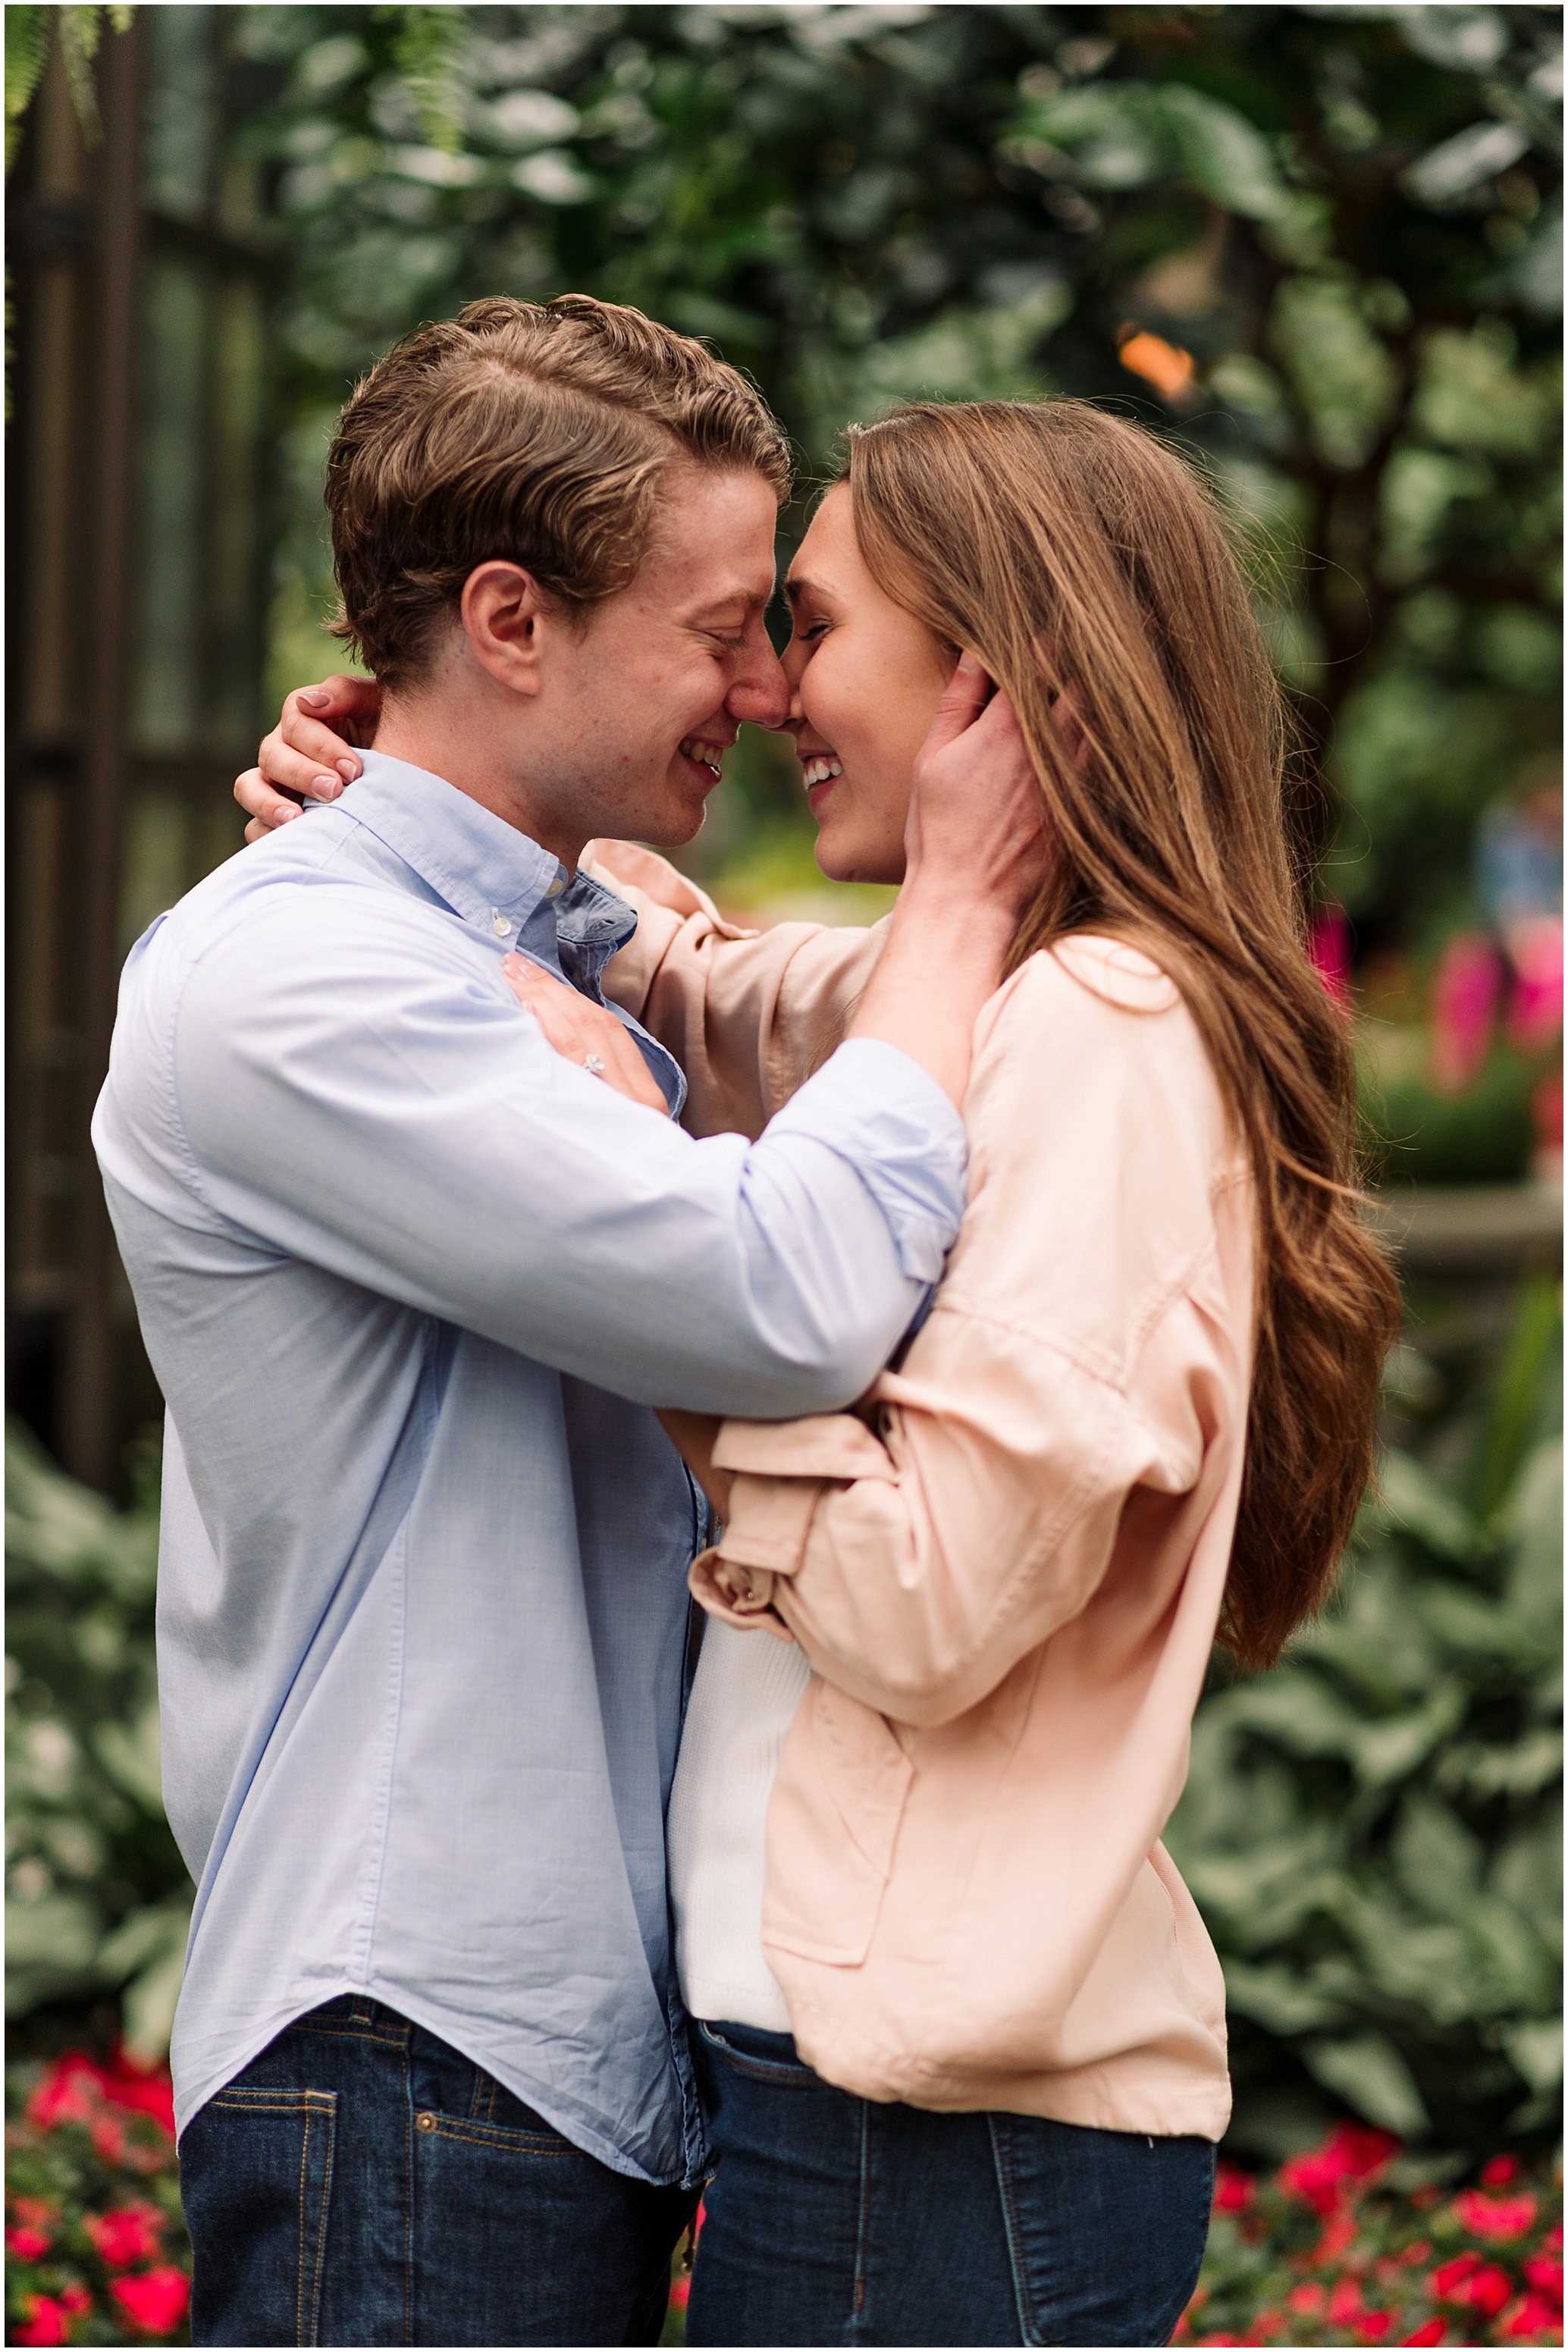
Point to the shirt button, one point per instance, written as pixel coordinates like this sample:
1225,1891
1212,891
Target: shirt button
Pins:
499,924
557,887
425,2121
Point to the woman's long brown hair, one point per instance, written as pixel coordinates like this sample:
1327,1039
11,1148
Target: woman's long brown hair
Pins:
1076,554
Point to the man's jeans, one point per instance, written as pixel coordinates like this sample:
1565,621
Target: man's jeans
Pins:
360,2183
833,2220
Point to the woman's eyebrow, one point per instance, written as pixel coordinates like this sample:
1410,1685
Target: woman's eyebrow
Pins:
798,586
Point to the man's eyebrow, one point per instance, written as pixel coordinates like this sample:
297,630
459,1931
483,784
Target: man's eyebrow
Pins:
750,600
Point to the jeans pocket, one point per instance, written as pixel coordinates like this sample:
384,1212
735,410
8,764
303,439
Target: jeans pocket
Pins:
1105,2230
255,2171
765,2057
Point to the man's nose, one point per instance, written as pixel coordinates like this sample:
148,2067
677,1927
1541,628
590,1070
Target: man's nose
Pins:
761,693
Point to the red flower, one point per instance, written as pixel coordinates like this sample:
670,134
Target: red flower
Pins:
69,2093
75,2299
142,2090
37,2211
77,2088
1418,2251
1500,2173
1553,2241
1546,2277
1375,2324
154,2301
1488,2290
1494,2217
1448,2276
1339,2232
47,2321
1310,2298
1351,2152
27,2245
108,2139
1533,2317
1434,2331
1344,2301
127,2234
1234,2189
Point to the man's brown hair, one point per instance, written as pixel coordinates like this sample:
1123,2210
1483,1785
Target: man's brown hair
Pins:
538,432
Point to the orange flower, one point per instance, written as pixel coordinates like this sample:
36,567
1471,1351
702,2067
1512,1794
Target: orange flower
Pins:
1164,365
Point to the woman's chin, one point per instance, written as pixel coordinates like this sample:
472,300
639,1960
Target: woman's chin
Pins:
846,861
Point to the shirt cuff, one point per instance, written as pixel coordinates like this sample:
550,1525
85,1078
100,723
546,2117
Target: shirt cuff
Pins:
767,1526
882,1113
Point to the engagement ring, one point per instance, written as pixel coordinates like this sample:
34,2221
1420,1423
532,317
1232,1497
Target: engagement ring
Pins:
591,1062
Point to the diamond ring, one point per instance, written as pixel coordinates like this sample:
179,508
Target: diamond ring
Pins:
591,1062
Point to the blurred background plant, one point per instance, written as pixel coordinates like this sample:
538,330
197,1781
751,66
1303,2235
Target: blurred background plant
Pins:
1374,1830
98,1898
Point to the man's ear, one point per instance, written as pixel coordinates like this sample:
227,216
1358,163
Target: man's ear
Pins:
506,617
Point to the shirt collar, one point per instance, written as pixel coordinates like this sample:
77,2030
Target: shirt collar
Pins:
504,885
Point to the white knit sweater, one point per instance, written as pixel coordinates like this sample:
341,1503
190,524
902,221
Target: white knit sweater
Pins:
743,1699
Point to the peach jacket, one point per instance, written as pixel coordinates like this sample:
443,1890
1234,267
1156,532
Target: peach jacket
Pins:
1006,1566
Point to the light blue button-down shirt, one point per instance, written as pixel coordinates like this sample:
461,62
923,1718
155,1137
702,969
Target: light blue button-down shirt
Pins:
411,1282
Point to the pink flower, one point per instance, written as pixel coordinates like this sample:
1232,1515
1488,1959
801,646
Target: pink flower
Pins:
1450,2277
1310,2297
1375,2324
1494,2217
75,2299
1546,2277
1344,2302
1434,2331
27,2245
1535,951
1419,2251
1465,992
1328,948
154,2301
127,2234
1500,2173
1234,2189
1531,2318
47,2321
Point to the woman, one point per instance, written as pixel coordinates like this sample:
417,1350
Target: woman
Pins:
963,2054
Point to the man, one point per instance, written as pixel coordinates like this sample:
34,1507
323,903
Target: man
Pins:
422,1611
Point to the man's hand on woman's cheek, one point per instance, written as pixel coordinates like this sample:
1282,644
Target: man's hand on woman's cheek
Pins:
311,752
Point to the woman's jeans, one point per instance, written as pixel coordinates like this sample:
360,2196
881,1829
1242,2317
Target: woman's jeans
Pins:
832,2220
362,2183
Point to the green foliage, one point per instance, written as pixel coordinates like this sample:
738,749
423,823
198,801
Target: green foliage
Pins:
1374,1830
98,1898
1347,220
79,31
